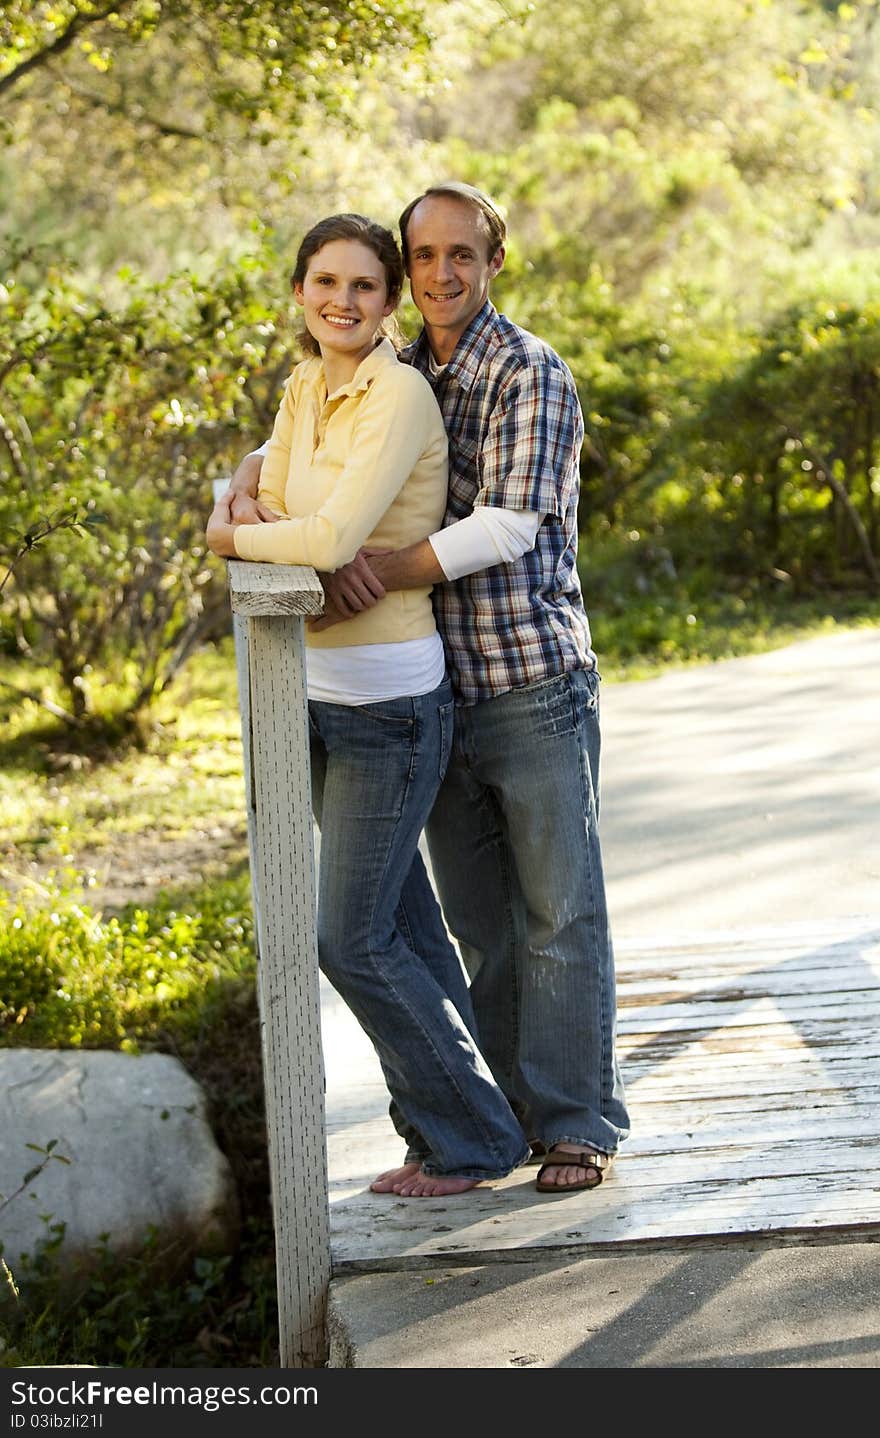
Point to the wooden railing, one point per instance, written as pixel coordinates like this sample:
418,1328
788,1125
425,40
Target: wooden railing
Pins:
269,604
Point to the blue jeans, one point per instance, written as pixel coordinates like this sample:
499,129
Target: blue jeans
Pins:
375,773
515,850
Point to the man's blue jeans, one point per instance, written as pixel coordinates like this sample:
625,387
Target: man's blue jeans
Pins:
515,850
375,773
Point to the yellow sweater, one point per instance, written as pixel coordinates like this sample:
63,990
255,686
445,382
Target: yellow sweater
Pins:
366,465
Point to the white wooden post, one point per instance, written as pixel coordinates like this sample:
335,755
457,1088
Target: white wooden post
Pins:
270,600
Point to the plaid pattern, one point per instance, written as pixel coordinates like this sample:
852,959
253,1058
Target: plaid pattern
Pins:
515,432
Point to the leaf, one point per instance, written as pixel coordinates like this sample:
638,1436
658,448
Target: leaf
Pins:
814,54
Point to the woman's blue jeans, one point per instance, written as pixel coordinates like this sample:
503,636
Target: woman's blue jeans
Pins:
376,769
514,845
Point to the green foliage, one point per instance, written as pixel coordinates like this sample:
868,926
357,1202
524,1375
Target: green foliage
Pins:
116,414
261,53
144,134
786,450
222,1312
47,1155
71,978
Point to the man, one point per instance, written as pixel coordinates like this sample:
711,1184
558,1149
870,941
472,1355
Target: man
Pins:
513,837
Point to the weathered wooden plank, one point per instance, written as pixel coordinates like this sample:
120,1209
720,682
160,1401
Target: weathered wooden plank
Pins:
671,1133
863,962
754,1010
270,663
751,982
666,1136
670,1204
293,1062
714,964
747,1039
784,1008
720,960
273,589
581,1245
724,1151
839,978
770,1057
802,936
719,1115
592,1221
746,1100
744,1153
673,1059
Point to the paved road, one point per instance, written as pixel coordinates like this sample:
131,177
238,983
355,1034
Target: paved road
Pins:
745,792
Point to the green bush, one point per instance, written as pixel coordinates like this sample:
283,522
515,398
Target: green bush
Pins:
222,1312
71,978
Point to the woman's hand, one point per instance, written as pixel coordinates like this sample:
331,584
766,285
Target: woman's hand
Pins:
220,531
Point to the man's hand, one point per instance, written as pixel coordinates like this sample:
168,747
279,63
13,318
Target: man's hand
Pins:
329,617
349,590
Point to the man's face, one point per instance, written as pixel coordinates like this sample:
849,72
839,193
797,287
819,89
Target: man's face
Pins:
449,265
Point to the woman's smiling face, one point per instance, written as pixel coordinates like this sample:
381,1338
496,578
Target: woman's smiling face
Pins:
344,297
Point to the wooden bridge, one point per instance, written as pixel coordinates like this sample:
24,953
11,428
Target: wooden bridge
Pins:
751,1064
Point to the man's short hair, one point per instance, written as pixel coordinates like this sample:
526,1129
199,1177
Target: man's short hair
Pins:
492,219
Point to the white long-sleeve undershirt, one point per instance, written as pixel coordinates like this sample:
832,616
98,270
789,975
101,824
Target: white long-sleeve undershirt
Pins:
487,536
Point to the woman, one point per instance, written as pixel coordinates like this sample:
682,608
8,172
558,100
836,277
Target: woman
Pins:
358,457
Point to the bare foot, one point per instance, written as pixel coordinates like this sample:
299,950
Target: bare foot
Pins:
426,1185
572,1176
386,1182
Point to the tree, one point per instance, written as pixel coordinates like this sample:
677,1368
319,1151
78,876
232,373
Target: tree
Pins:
794,432
254,56
115,418
161,130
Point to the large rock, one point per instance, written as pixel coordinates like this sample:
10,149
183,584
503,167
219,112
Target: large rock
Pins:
142,1158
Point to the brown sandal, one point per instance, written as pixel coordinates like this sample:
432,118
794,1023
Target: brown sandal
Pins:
599,1163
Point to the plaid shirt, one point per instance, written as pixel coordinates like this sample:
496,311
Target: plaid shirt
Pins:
515,431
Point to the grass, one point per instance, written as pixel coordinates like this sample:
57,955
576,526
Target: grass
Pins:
649,635
158,788
127,924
